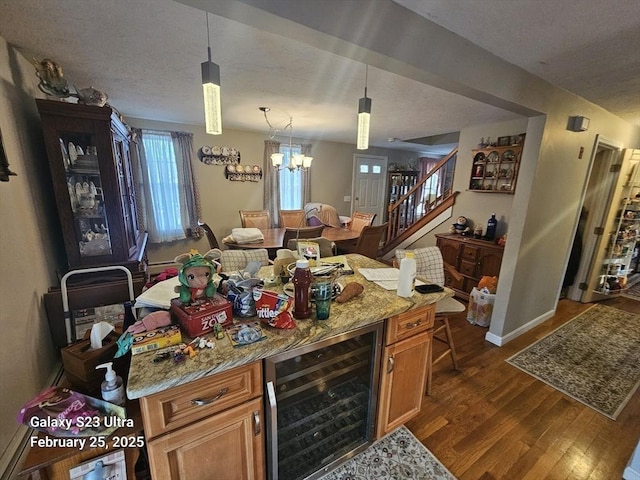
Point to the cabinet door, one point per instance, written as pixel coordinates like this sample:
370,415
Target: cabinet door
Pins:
450,251
404,369
489,262
226,446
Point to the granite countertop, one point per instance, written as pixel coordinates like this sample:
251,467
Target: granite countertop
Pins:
374,305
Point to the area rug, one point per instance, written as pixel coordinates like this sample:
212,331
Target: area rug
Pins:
398,456
594,358
633,292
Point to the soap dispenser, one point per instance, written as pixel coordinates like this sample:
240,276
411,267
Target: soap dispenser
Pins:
113,386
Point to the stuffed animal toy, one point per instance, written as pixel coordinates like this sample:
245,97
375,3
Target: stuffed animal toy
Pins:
490,283
461,226
197,276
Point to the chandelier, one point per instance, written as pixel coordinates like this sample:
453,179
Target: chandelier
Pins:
297,161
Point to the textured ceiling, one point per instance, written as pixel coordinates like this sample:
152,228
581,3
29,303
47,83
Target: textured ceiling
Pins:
146,55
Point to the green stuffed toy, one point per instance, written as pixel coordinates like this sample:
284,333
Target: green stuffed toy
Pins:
196,276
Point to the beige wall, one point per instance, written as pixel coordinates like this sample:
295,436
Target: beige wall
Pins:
221,199
30,246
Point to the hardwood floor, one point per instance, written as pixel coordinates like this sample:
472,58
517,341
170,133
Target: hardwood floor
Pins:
492,421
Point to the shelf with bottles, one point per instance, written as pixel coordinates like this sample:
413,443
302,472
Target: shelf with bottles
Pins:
495,169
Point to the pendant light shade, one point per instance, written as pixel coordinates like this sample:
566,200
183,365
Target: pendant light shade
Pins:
211,92
364,117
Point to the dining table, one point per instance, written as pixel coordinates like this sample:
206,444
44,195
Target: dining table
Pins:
273,238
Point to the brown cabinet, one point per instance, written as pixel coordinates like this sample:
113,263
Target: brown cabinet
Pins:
495,169
89,157
210,428
404,367
472,258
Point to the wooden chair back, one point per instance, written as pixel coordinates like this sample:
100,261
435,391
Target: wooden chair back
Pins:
305,232
213,241
291,218
359,220
255,219
368,242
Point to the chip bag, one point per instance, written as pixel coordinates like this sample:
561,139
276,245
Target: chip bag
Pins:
274,309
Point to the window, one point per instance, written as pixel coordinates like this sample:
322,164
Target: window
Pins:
290,181
166,184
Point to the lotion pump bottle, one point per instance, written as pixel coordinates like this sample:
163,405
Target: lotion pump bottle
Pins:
407,277
113,386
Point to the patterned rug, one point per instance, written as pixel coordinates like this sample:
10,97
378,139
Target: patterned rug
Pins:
396,456
633,292
594,358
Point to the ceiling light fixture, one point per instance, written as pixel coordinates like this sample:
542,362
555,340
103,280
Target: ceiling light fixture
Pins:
211,90
297,161
364,116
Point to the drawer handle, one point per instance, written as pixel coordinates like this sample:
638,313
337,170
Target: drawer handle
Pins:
391,364
256,423
207,401
414,324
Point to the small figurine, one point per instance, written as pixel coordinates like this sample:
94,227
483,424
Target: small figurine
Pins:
460,227
196,276
52,81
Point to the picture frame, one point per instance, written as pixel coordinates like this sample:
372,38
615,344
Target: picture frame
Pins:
516,139
504,141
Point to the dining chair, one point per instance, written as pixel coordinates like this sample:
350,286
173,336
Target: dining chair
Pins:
368,243
255,219
234,260
431,268
213,241
359,220
305,232
291,218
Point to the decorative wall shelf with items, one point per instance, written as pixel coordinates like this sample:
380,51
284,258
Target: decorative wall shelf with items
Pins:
495,168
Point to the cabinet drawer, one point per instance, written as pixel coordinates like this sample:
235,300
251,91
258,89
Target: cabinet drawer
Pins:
470,253
468,268
185,404
409,323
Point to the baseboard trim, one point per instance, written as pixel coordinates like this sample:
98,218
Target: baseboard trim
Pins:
500,341
12,458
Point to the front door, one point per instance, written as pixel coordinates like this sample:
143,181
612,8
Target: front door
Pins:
368,190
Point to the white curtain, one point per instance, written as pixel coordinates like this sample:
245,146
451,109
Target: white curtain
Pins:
166,184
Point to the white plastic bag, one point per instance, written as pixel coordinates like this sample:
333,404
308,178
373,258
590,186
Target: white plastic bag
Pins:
480,307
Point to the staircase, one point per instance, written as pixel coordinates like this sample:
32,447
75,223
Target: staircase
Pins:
431,196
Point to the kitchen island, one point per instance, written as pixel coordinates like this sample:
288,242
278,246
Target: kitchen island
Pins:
205,417
373,305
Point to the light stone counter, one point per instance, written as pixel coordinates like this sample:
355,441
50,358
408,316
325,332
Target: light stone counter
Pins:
374,305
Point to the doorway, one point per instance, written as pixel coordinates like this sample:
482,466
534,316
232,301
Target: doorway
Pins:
369,185
596,206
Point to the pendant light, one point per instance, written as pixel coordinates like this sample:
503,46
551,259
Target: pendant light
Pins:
211,91
364,116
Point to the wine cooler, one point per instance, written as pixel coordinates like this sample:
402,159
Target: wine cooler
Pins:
321,403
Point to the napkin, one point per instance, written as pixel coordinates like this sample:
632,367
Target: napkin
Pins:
247,235
98,332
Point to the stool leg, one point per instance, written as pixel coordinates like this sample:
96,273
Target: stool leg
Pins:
429,367
450,341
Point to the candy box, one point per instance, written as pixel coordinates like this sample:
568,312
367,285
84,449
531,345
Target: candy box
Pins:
200,318
154,339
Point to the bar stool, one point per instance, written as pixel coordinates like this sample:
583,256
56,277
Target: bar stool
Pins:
443,309
431,266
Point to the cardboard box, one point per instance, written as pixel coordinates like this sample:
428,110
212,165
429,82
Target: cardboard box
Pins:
154,339
199,319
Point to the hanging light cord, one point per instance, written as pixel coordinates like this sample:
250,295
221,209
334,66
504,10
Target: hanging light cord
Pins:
208,39
366,79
